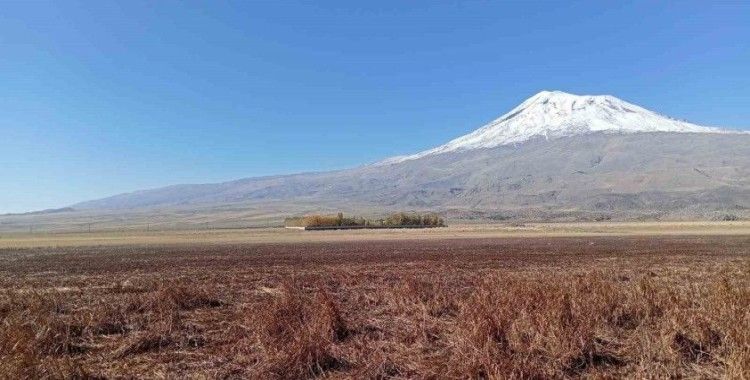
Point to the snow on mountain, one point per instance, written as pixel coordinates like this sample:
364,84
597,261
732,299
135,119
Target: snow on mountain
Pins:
553,114
613,174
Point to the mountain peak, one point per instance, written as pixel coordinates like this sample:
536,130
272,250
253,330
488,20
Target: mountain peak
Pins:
554,114
548,93
555,94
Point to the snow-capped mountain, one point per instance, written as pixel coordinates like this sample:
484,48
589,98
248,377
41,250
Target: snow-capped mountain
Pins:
553,114
556,156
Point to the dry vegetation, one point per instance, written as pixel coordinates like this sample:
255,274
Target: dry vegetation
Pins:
454,231
400,219
476,308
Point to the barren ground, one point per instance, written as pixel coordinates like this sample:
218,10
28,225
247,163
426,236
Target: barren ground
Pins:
453,231
438,306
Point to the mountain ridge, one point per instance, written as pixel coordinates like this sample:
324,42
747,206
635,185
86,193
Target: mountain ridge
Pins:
577,157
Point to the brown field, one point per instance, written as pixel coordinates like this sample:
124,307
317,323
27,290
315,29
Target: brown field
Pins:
453,231
415,306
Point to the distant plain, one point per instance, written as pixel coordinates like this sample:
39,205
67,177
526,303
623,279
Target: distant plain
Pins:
282,235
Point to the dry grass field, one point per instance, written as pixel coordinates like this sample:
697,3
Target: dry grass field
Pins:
515,307
115,237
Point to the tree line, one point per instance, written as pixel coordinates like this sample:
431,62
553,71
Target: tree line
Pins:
394,220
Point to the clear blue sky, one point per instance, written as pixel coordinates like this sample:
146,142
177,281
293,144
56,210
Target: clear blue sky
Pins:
100,97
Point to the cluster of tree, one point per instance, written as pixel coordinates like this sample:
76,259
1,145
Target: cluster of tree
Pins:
404,219
324,221
394,220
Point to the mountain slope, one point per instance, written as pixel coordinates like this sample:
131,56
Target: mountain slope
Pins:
554,156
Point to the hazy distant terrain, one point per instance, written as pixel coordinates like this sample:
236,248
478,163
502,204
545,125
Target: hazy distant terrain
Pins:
622,176
649,176
556,156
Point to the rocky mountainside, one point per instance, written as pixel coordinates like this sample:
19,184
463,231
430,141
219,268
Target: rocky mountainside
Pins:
555,156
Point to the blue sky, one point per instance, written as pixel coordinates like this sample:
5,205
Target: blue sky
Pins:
99,97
